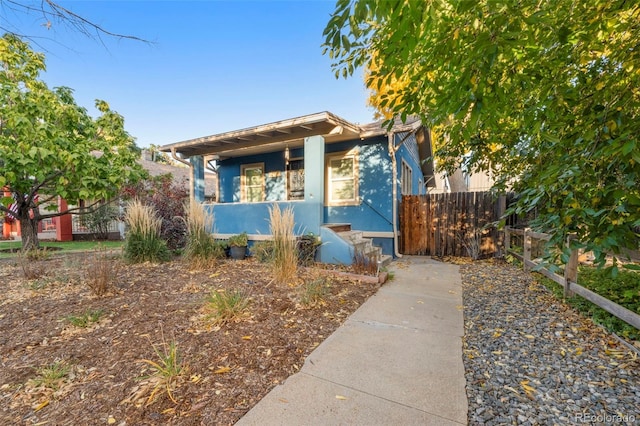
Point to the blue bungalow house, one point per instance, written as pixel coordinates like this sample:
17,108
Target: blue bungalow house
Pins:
343,180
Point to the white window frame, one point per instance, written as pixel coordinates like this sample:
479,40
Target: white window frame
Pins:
329,179
243,182
406,179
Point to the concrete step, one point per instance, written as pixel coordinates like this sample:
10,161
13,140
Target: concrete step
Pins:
351,236
385,260
364,246
338,227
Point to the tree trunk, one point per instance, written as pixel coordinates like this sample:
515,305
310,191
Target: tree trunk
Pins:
28,230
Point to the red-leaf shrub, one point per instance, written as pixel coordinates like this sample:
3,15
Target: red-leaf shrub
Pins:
167,196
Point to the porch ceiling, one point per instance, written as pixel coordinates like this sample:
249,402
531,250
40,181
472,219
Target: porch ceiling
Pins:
269,137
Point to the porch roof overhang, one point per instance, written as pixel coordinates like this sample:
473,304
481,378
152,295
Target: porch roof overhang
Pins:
269,137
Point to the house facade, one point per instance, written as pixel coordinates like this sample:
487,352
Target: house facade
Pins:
342,180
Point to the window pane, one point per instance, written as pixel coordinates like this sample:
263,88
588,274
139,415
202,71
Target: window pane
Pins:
254,193
342,190
253,176
342,168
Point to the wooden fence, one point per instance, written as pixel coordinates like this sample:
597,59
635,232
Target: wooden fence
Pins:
454,224
569,280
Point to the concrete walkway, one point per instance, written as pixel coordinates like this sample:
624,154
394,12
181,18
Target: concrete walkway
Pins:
396,361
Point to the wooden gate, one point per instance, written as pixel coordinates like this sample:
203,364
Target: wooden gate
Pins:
453,224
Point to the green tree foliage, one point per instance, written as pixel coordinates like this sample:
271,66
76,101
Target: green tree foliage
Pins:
544,94
50,146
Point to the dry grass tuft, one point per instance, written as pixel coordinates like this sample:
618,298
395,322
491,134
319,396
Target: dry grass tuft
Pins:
201,250
284,262
102,271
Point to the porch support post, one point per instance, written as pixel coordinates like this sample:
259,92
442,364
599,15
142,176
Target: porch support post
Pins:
314,181
197,181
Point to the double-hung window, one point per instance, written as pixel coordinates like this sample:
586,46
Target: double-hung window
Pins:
406,179
342,179
252,182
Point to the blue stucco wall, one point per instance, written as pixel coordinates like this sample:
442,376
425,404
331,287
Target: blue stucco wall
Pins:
253,218
374,165
275,178
408,152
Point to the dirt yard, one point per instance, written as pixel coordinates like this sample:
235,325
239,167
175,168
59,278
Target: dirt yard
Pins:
68,357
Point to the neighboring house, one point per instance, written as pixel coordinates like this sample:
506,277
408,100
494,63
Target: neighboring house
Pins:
71,227
179,173
343,180
461,181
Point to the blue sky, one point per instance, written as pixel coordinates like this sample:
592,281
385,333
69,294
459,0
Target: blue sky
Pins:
213,66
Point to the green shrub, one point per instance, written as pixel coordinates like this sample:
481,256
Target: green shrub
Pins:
263,251
143,242
240,240
624,289
100,219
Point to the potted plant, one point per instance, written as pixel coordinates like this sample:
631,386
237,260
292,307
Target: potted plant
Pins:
307,246
238,246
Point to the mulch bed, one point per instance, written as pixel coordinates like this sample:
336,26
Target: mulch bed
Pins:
530,359
227,368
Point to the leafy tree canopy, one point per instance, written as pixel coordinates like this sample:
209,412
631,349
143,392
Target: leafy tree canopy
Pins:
49,146
545,95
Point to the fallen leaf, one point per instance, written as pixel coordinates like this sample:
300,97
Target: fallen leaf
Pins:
246,337
41,405
528,390
111,420
222,370
341,397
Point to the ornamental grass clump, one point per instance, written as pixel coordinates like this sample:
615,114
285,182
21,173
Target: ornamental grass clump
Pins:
201,249
224,306
52,376
101,272
314,292
165,372
143,242
284,260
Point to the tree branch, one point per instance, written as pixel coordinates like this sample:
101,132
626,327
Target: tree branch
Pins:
51,10
79,211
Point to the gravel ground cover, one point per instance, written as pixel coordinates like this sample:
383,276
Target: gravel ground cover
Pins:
531,360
